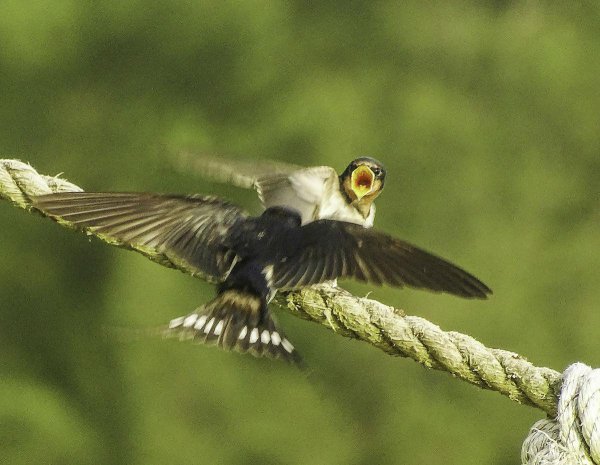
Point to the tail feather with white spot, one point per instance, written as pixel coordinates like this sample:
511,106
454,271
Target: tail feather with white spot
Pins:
236,320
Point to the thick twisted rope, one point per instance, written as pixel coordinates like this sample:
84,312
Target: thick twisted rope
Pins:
361,318
397,334
573,436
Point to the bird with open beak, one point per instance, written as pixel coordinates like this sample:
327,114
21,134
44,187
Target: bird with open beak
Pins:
361,183
316,192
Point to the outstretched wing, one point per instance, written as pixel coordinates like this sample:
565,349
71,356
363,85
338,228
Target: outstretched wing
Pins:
191,228
277,184
239,173
332,249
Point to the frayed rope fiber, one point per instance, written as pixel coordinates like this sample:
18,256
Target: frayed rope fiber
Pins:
573,435
571,401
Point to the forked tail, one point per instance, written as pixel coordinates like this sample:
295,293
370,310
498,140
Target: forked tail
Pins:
236,320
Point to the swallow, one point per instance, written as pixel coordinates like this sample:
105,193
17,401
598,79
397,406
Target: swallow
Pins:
317,192
250,258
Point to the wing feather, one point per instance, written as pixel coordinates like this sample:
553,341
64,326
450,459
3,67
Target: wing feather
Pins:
193,228
237,172
371,256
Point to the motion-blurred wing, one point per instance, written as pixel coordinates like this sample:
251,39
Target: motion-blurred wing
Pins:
332,249
193,228
240,173
303,190
277,184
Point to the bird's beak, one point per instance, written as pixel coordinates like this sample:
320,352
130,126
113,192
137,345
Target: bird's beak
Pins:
362,181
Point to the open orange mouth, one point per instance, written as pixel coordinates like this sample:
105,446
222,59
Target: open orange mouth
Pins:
362,181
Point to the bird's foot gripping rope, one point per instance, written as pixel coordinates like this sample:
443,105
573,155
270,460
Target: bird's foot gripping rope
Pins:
573,436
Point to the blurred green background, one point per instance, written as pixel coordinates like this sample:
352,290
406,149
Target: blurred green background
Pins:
487,117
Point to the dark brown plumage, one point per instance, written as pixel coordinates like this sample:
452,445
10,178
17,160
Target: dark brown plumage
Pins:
252,257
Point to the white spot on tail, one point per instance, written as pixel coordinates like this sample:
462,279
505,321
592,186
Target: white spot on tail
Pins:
190,320
265,337
268,274
243,332
275,338
200,322
209,325
287,345
218,328
254,336
176,322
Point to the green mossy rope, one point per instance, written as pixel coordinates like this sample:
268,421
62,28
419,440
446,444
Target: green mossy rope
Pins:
360,318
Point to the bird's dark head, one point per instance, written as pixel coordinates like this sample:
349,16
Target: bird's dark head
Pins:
363,179
282,215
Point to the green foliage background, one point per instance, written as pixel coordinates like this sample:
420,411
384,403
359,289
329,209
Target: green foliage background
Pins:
487,117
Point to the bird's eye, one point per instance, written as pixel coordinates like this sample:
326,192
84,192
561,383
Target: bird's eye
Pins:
376,171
